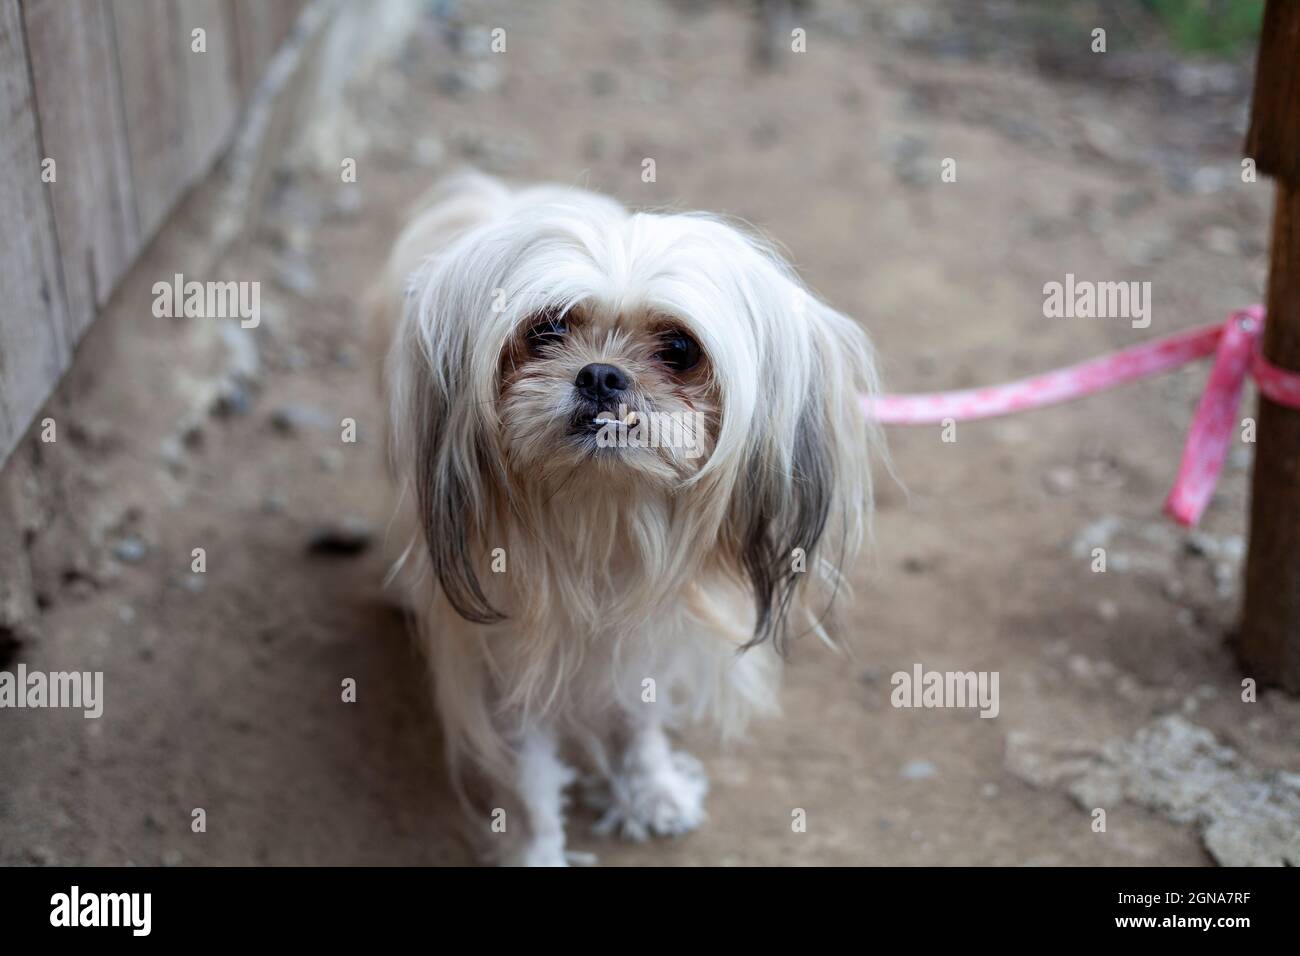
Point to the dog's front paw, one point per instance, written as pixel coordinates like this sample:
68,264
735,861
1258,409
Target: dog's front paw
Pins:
664,800
538,853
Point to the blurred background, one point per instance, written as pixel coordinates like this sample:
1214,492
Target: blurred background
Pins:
1118,690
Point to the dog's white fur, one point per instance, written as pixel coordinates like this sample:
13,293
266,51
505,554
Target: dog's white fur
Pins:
575,602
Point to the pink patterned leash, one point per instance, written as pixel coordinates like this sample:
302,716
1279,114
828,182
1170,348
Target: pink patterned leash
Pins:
1235,346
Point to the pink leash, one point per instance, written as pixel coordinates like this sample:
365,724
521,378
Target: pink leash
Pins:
1235,345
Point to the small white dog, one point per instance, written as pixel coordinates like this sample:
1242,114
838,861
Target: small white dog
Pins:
628,444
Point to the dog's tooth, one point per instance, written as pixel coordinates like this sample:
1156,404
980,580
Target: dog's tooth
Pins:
631,420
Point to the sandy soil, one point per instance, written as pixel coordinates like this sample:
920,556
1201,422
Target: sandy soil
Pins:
223,688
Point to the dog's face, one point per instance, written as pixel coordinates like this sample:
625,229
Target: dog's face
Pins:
598,394
566,354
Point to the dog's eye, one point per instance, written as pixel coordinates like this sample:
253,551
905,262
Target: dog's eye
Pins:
549,331
678,351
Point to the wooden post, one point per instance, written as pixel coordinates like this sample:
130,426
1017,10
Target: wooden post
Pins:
1268,642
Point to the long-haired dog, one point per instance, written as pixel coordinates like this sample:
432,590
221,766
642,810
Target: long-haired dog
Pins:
632,454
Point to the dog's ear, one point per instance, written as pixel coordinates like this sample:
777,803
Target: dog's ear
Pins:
438,443
779,519
449,472
803,498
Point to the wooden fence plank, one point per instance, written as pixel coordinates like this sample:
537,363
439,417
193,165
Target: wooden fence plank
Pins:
260,28
78,101
181,106
34,345
153,103
212,83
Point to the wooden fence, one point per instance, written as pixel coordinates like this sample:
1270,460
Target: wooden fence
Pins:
109,113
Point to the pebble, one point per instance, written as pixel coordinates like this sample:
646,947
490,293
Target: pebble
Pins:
1200,79
190,430
243,361
480,77
346,537
918,770
1209,180
1225,578
130,550
295,275
1128,687
474,41
233,399
172,451
40,855
296,416
1061,480
348,200
1106,139
296,357
1080,666
907,156
1221,240
331,459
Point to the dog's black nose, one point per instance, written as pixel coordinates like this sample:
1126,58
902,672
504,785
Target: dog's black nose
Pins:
600,383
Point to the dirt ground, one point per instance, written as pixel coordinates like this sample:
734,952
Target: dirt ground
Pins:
1118,689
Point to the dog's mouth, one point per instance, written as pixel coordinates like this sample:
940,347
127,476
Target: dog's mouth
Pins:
610,419
607,421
